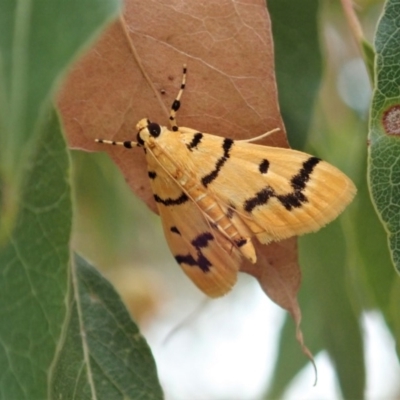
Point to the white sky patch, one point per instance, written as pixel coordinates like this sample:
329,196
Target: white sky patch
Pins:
228,348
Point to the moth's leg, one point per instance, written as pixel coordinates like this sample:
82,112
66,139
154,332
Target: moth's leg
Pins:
176,104
127,144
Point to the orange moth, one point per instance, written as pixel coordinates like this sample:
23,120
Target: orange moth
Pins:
216,195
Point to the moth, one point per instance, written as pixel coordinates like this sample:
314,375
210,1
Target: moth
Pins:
215,196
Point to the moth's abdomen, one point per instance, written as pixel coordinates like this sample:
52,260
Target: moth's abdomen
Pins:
220,218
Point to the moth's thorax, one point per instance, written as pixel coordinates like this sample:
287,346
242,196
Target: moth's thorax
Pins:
168,151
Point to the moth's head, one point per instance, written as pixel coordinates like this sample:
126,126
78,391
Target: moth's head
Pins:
146,130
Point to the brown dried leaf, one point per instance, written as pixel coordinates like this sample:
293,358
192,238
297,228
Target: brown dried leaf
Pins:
278,273
134,71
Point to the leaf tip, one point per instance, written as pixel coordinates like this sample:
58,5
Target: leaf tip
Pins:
306,351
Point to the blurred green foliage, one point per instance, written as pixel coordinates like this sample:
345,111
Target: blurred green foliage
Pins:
346,267
64,331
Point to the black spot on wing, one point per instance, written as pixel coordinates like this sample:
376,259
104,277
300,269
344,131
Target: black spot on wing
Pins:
200,242
290,200
183,198
201,261
263,167
188,260
195,141
259,199
226,146
174,229
299,181
152,174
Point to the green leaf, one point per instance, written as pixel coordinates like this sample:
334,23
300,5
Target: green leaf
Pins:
34,271
323,258
298,63
76,335
110,358
372,269
38,40
384,162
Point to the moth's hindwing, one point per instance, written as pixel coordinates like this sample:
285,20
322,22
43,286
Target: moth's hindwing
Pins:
205,254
